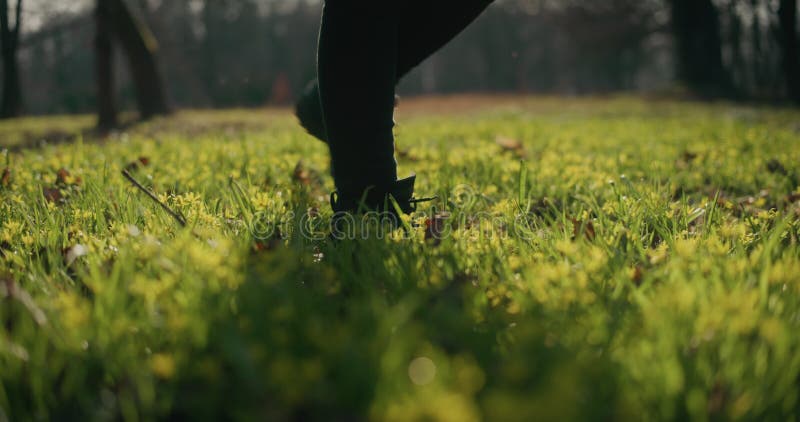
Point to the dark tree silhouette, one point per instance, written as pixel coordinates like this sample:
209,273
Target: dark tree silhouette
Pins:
558,47
9,43
698,45
738,66
104,48
139,46
787,15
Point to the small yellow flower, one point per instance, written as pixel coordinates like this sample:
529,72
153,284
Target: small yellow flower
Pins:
686,248
659,254
163,365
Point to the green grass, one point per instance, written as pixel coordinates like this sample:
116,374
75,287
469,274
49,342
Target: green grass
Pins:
600,259
28,131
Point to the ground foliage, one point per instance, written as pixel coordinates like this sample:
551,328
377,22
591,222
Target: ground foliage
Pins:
592,259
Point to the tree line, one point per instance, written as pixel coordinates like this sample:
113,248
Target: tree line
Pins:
152,55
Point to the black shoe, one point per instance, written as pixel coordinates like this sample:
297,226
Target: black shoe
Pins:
384,206
376,210
401,191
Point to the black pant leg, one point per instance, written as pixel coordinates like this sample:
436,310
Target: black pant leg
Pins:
357,65
428,25
424,27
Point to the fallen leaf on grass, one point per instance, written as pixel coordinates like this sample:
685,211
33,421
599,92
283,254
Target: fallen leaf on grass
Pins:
53,195
637,275
61,176
267,245
511,145
718,400
792,203
435,228
406,155
686,159
301,174
688,156
5,179
140,162
776,167
4,246
64,178
753,205
586,228
545,208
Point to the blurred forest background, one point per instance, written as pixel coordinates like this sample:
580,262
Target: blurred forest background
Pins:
60,56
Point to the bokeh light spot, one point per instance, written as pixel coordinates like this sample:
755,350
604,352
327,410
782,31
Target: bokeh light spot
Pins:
422,371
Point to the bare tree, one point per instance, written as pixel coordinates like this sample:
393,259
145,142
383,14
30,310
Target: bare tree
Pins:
787,16
9,42
696,29
104,49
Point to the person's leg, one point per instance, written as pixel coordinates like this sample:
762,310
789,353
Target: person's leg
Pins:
357,64
428,25
423,28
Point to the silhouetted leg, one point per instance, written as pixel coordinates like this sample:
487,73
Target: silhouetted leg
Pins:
424,27
428,25
357,64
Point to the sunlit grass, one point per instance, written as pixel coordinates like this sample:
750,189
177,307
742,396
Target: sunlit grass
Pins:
614,259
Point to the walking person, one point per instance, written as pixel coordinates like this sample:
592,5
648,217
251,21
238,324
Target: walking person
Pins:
365,48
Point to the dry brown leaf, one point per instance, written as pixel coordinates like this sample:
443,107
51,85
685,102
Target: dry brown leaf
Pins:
638,275
53,195
406,155
5,179
685,160
140,162
301,174
776,167
64,178
435,228
586,228
511,145
267,245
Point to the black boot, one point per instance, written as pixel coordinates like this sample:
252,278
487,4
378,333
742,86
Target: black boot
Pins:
377,209
378,200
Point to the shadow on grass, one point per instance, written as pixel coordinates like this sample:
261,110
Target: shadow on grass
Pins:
37,132
28,139
356,339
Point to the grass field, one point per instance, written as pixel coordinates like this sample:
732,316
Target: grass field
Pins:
586,259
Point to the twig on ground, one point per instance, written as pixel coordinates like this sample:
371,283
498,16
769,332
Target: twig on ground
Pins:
178,217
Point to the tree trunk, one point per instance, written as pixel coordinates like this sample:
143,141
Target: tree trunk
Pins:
140,47
9,42
738,67
698,44
787,14
106,109
760,76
